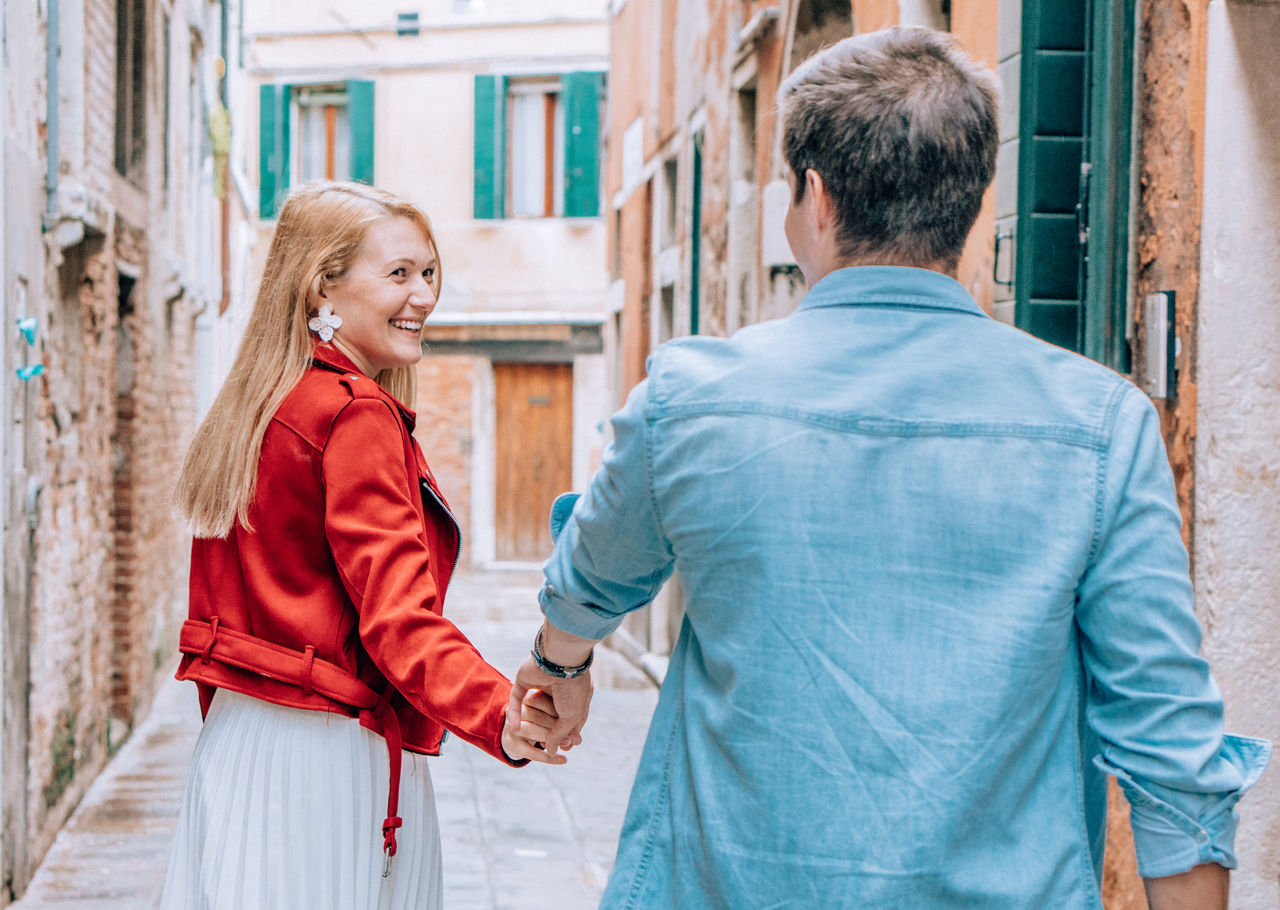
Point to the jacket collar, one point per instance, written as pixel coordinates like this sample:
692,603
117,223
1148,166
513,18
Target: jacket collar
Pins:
327,357
897,287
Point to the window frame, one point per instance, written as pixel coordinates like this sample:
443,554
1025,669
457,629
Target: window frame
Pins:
553,141
315,95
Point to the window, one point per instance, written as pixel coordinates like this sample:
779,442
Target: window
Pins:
537,146
670,180
324,133
819,23
535,155
131,98
320,131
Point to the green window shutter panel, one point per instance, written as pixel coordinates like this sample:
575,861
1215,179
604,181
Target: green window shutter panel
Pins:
580,93
490,146
360,111
1051,148
1110,137
273,148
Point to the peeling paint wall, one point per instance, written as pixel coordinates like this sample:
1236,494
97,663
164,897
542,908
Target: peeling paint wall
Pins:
1170,129
1237,420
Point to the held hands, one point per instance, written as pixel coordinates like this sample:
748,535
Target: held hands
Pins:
570,697
536,718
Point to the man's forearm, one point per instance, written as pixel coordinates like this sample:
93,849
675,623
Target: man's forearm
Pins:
1200,888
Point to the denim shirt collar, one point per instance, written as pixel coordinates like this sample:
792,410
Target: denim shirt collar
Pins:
890,286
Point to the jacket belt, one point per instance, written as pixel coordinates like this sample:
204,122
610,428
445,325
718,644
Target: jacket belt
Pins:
210,641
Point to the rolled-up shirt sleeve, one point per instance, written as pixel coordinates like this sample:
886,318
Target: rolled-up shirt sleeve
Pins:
610,554
1151,698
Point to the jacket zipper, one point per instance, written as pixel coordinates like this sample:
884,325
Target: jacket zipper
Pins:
457,556
457,529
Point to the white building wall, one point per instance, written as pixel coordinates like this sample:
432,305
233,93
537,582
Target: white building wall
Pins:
423,144
1237,489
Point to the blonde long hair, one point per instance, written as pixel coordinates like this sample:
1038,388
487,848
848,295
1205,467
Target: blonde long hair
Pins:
321,229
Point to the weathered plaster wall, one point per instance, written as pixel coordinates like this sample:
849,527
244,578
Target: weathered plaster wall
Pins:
1171,135
1237,489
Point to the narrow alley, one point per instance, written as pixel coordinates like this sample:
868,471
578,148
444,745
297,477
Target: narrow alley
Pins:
496,824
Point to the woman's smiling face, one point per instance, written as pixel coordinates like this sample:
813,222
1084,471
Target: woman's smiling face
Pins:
385,297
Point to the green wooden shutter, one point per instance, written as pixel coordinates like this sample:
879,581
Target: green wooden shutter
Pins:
490,146
1109,140
580,94
360,114
1050,154
273,147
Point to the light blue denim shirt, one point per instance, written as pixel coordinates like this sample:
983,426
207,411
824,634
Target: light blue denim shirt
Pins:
935,587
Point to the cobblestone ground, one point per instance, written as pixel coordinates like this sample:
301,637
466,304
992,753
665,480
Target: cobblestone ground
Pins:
513,840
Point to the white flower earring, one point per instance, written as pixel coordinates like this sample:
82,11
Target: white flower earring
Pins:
324,324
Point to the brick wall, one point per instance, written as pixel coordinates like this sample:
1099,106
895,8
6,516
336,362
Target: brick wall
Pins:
154,413
112,415
70,642
444,431
110,553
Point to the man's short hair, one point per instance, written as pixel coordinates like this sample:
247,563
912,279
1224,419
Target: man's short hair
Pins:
902,127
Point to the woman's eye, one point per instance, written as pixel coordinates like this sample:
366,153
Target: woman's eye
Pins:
400,272
429,273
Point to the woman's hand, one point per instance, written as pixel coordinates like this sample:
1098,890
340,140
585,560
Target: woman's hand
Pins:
537,717
570,697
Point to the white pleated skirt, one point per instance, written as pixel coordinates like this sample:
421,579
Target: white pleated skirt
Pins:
283,809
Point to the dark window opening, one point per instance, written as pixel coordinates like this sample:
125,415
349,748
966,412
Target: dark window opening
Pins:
131,99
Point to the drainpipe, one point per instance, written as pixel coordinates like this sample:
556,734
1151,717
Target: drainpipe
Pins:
53,52
224,213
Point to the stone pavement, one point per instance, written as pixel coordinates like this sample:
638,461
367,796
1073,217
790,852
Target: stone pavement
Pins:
513,840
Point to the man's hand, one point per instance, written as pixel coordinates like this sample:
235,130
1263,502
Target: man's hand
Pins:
1199,888
570,698
533,725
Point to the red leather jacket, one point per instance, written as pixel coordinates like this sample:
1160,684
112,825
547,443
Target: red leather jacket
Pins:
338,589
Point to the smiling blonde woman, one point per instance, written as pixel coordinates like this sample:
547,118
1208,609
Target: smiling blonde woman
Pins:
323,549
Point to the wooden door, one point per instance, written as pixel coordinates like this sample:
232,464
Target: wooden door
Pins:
534,459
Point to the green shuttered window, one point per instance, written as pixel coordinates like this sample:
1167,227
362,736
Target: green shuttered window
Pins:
309,132
1074,173
537,146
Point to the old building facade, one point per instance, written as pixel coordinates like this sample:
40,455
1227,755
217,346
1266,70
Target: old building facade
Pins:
487,115
1132,219
107,254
